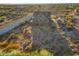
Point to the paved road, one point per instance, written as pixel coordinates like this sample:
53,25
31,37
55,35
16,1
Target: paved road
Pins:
15,23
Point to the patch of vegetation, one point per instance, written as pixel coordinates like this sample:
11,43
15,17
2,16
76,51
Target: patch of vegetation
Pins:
42,52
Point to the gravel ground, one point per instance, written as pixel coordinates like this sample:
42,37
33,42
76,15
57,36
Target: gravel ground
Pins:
44,37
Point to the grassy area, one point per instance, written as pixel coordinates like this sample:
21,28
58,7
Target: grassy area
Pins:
42,52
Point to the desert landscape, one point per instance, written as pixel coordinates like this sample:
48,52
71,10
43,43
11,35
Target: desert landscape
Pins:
39,30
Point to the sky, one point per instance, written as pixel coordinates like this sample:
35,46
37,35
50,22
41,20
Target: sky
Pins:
36,1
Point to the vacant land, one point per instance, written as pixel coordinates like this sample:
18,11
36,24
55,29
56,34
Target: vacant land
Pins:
39,30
